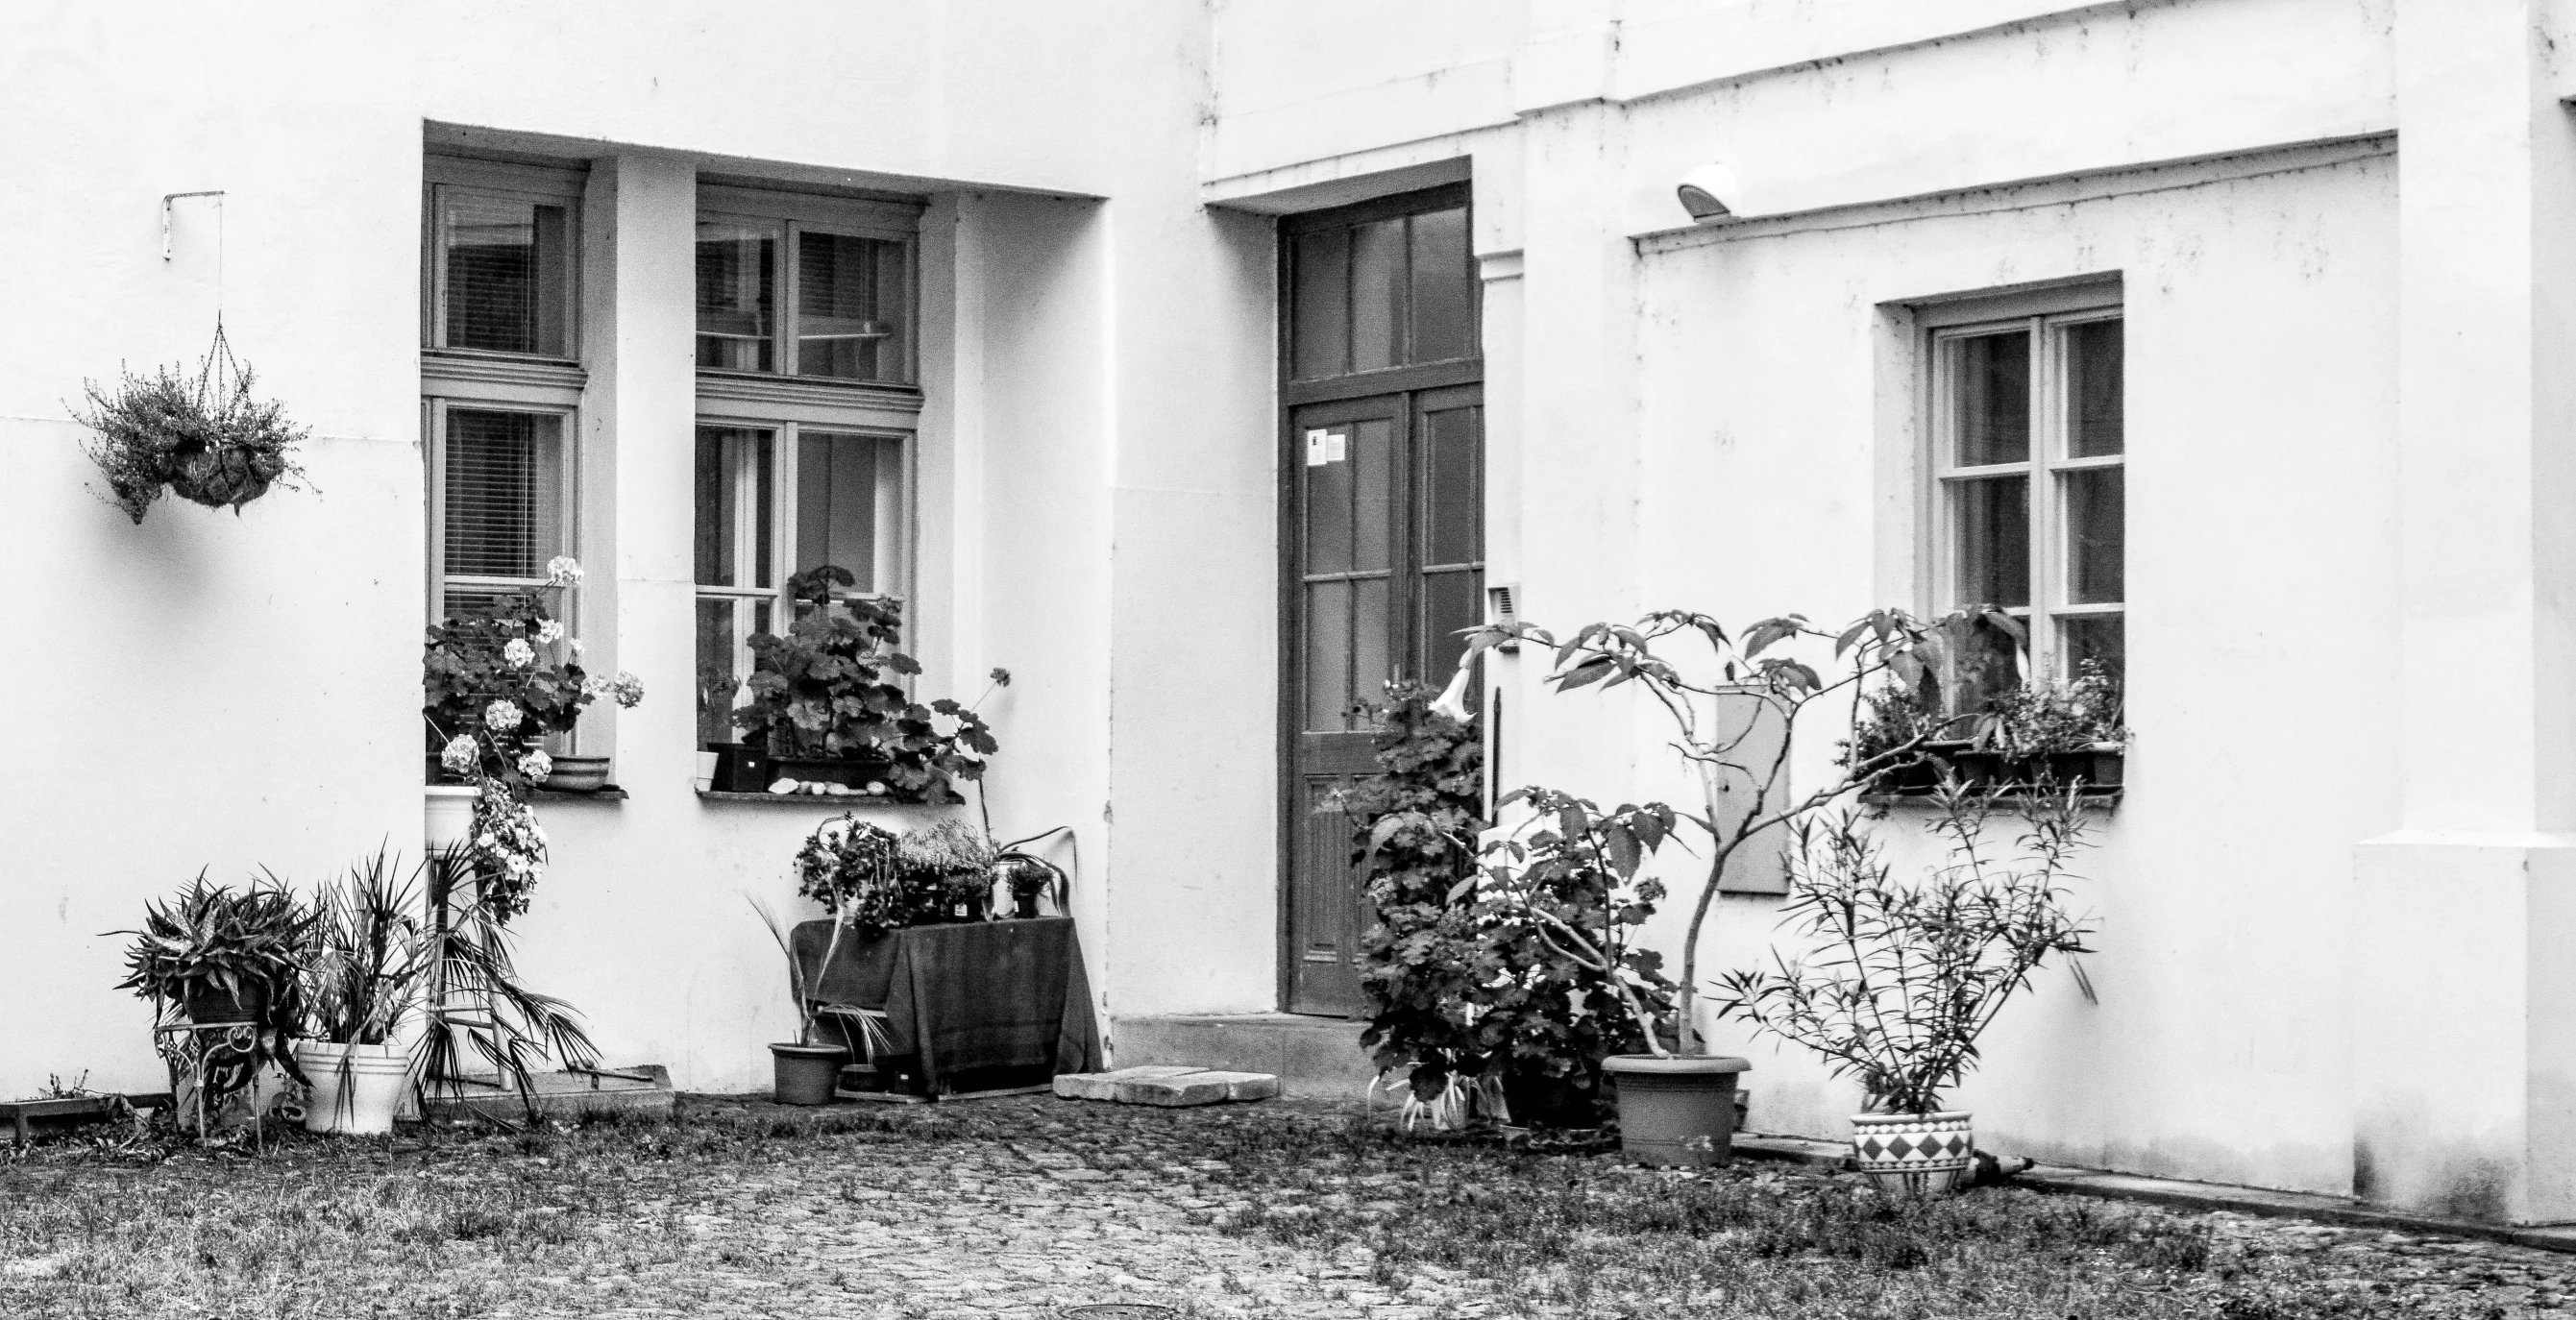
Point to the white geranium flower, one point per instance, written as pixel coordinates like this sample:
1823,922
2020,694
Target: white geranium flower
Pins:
517,653
563,571
502,716
536,765
628,689
549,633
575,644
460,754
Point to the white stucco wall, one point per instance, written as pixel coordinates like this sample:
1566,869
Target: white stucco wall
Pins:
257,677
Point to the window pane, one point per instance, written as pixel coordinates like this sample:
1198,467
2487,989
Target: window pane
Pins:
1372,496
1328,502
1322,303
1328,655
509,273
2098,637
846,488
1451,602
737,275
1453,504
1377,293
720,667
2096,536
504,493
850,307
1373,638
1991,518
2094,424
734,480
1990,398
1444,287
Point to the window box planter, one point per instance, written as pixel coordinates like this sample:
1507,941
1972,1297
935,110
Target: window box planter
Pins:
856,774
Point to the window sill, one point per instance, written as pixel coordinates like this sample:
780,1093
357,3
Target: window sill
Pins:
2094,799
604,793
843,800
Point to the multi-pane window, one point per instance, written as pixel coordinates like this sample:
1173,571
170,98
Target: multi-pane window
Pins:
806,408
501,501
500,259
772,502
1379,293
797,286
2029,451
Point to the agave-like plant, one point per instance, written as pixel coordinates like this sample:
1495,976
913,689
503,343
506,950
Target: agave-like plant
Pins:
251,944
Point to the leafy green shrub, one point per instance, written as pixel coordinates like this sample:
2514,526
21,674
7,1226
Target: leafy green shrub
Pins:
821,693
1470,973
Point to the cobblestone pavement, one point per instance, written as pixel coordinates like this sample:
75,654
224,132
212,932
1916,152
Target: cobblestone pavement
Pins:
1012,1208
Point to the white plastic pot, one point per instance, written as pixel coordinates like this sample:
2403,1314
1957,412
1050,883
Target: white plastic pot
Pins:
448,814
356,1088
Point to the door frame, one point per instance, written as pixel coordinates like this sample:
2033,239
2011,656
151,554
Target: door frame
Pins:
1290,458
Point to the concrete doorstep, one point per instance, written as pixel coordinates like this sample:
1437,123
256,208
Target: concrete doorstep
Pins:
2183,1195
1172,1086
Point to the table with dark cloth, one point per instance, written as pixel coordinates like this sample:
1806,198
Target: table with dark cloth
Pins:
973,996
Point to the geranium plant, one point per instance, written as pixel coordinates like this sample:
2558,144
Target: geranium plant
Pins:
852,869
493,687
823,692
203,438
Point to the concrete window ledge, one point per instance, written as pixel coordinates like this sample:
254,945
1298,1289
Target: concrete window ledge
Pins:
821,800
2098,799
605,793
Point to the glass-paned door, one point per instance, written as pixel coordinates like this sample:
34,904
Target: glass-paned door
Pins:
1388,568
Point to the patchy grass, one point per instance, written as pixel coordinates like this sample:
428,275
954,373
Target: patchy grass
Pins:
1578,1235
619,1216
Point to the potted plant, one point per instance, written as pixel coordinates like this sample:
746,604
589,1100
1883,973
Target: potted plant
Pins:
1904,978
947,869
825,711
2055,733
229,959
477,1009
215,954
1726,712
204,438
372,956
849,867
497,683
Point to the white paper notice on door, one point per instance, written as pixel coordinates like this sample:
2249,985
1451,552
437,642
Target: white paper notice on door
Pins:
1326,447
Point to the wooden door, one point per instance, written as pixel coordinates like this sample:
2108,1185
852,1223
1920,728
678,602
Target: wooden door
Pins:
1389,568
1382,528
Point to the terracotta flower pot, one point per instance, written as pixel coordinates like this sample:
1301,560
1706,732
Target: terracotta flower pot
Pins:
1918,1154
1678,1110
806,1074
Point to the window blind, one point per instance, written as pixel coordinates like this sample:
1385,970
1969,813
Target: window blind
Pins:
504,493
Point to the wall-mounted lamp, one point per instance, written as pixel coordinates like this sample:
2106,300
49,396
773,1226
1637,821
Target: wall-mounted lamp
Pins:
1709,193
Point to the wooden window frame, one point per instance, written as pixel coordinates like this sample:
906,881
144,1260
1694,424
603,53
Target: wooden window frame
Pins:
444,175
2044,314
793,213
434,410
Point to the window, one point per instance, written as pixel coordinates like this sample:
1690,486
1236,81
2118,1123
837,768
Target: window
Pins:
835,273
1383,292
772,502
502,386
806,411
501,494
500,258
2029,449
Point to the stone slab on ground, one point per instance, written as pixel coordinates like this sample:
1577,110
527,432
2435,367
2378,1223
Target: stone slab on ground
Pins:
640,1089
1314,1058
1171,1086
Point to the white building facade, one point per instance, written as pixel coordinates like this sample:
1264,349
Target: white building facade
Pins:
1002,301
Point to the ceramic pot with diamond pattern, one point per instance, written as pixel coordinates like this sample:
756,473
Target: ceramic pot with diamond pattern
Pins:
1920,1154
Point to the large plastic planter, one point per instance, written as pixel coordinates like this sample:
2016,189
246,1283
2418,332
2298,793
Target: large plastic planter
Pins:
1678,1110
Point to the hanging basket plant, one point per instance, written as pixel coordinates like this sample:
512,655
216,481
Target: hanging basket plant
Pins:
203,438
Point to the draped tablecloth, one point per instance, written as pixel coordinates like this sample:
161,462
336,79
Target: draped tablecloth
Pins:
974,995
